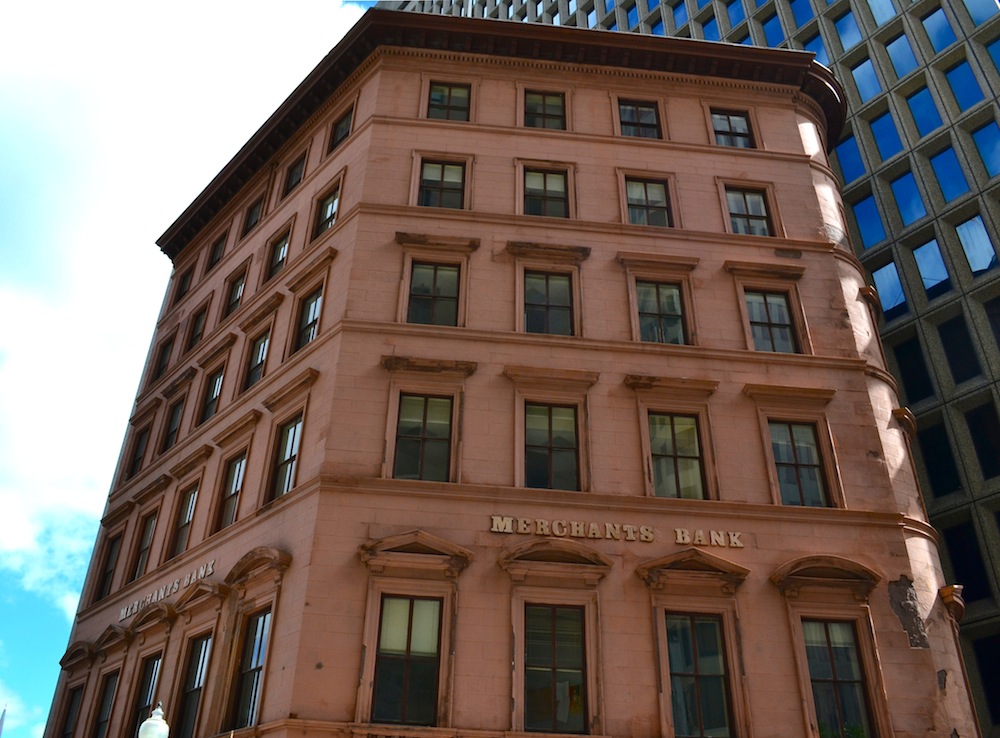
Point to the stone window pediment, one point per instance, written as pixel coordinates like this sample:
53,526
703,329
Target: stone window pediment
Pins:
825,572
258,561
692,569
555,562
415,553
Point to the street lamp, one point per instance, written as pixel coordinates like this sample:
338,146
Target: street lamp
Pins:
155,726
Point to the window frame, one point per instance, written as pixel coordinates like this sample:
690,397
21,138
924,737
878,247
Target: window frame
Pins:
111,551
138,447
441,252
182,286
661,269
163,354
450,440
197,325
279,463
140,712
239,276
771,278
173,421
225,494
254,371
271,268
211,396
102,719
522,107
70,707
574,300
184,676
766,189
655,103
183,520
320,226
240,671
253,216
419,158
546,168
301,313
141,547
287,183
667,179
213,259
335,140
452,82
748,116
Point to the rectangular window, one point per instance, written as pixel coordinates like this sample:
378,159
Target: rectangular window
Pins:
197,329
433,294
984,428
309,313
104,703
901,54
938,30
548,303
748,212
913,370
699,679
182,528
966,559
183,285
815,45
939,461
676,456
326,212
407,662
546,193
886,137
173,425
890,291
442,184
145,542
286,456
852,165
449,101
279,254
648,202
109,562
933,272
216,252
771,322
737,14
869,222
213,390
71,712
924,111
555,669
866,80
234,292
977,245
963,84
230,501
986,650
661,312
987,139
293,175
252,216
836,674
773,33
186,720
847,30
250,673
545,110
257,359
145,695
163,354
949,174
341,129
798,465
137,453
551,447
639,119
958,349
908,201
732,128
423,438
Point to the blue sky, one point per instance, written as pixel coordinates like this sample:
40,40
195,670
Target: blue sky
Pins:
113,117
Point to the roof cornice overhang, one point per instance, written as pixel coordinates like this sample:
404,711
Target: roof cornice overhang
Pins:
508,39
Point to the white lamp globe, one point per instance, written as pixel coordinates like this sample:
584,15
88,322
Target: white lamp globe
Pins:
155,726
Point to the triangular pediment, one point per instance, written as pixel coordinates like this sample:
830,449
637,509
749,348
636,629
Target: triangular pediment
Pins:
199,592
692,567
415,551
555,561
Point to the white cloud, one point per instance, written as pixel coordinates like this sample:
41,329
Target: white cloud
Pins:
20,713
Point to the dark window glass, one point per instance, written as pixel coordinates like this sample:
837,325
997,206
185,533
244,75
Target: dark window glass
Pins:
933,272
648,203
555,669
286,457
771,322
249,676
977,245
105,700
935,448
279,254
433,294
548,303
816,46
984,427
949,174
901,54
869,221
882,10
423,438
924,111
993,314
326,213
146,529
230,501
699,679
407,662
980,11
676,451
851,164
449,101
294,174
748,212
213,390
545,193
966,559
964,86
987,651
545,110
551,448
732,128
257,359
837,676
798,464
309,314
252,216
710,29
216,252
866,80
847,30
886,136
632,16
182,528
987,140
939,30
186,721
773,33
737,14
173,425
341,129
680,14
657,28
639,119
802,12
890,291
142,708
661,312
163,354
908,201
442,184
913,370
183,285
958,349
234,294
71,712
138,453
197,330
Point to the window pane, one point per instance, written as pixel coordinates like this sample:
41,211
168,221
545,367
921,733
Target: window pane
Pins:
801,11
710,29
981,11
773,33
737,14
984,427
939,30
815,45
890,291
977,245
847,29
933,272
901,54
886,137
849,157
939,461
958,349
869,221
882,10
949,174
866,80
967,561
963,85
924,111
911,207
913,370
987,141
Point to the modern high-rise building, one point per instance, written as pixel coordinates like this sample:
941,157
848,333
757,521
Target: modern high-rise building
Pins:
919,159
512,380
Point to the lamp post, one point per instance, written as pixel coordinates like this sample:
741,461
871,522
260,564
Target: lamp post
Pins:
155,726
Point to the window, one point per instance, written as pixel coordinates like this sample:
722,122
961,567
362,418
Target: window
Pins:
710,29
252,216
293,175
248,686
958,349
183,285
163,354
286,456
901,54
987,139
886,137
964,86
732,128
657,28
145,694
213,390
71,712
433,298
137,453
632,16
699,679
546,193
545,110
182,528
257,359
423,438
797,463
639,119
234,292
849,157
551,447
661,312
341,129
548,303
949,174
938,30
869,221
648,202
173,425
840,698
890,291
555,669
984,428
230,501
676,456
771,322
279,254
309,313
924,111
992,309
966,559
449,101
980,11
442,184
748,212
104,702
866,80
216,252
985,650
197,329
815,45
680,14
913,370
908,201
882,10
106,575
326,212
847,30
145,542
773,33
939,461
186,720
977,245
408,661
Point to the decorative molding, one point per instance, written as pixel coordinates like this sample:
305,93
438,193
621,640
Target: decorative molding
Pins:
146,409
415,552
257,562
680,385
906,421
870,295
785,393
242,426
551,377
555,562
156,487
954,603
447,243
638,260
262,312
311,271
213,354
298,384
758,270
114,517
549,252
195,458
832,572
182,379
429,366
689,569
